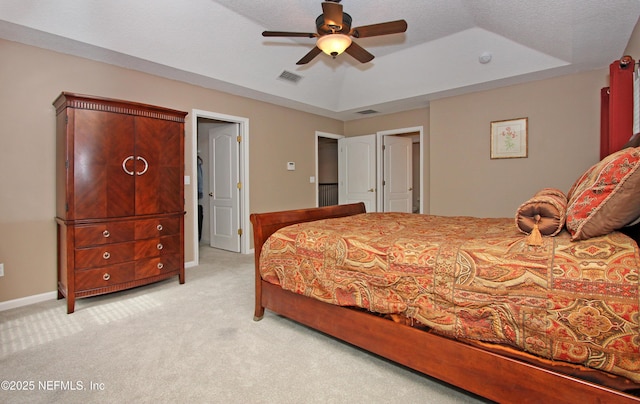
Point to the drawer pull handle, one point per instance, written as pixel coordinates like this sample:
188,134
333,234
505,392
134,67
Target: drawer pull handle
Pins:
106,233
159,227
159,246
106,255
160,265
106,277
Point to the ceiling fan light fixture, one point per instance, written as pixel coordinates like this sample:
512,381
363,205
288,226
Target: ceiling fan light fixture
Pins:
333,44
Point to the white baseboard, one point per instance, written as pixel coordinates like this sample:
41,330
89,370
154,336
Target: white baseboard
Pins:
25,301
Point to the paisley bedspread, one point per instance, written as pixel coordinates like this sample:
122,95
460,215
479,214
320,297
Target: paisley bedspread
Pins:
473,278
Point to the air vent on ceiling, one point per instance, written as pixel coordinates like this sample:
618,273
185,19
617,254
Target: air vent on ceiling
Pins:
367,112
288,76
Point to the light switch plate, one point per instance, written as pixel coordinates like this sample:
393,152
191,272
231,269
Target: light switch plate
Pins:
291,166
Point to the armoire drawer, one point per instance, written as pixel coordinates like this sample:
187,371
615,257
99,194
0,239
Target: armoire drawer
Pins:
149,228
155,247
103,233
147,268
106,276
104,255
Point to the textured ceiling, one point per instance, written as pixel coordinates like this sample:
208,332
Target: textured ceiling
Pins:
218,44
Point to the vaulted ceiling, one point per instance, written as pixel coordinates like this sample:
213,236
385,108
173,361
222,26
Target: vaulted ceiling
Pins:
218,44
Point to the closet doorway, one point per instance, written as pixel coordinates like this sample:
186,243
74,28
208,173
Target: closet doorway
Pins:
221,194
415,137
326,168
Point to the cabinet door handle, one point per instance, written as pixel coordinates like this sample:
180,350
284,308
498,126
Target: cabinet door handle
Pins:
106,255
159,246
160,265
106,233
124,165
159,227
106,277
146,165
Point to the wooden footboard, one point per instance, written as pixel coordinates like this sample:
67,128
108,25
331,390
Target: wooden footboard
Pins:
487,373
265,224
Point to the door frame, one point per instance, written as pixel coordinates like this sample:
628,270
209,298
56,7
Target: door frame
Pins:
245,245
380,157
318,135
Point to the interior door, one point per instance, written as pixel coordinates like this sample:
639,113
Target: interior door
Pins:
357,170
398,174
224,195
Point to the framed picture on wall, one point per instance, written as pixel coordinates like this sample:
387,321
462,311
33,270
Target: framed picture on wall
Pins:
509,138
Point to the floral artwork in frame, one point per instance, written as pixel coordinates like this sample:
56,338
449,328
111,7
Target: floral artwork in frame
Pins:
509,138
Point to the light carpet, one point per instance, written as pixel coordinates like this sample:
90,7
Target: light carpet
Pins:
195,343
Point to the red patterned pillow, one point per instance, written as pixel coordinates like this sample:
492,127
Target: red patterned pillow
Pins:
606,197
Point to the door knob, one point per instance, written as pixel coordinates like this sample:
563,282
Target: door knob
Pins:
372,190
211,194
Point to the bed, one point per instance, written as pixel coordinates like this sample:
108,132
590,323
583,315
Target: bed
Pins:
545,309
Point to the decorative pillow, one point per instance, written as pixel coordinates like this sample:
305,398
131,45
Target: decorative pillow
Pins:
606,197
545,210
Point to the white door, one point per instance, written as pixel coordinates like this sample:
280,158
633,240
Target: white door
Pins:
357,170
224,195
398,174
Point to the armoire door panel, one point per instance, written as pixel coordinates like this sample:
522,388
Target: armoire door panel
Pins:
102,185
159,166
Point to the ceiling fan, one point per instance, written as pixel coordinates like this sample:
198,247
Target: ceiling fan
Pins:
335,32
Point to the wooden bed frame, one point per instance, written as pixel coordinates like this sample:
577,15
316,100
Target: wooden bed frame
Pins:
486,372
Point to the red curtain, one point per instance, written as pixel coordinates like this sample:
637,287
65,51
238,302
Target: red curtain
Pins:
616,115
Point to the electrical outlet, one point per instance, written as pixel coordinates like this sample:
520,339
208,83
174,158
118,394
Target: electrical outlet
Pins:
1,269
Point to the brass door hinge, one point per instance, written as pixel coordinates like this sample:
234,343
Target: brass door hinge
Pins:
239,138
239,232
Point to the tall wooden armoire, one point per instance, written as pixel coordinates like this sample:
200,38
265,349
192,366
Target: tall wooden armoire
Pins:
120,195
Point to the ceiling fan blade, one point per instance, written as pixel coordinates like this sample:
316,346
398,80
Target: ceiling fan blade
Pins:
289,34
384,28
359,53
332,14
309,56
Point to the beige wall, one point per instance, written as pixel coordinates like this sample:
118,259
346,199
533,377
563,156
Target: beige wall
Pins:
564,126
564,135
31,78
